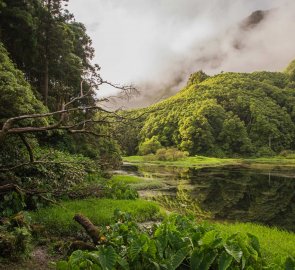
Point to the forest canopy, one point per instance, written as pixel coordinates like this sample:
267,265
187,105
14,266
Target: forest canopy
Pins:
245,114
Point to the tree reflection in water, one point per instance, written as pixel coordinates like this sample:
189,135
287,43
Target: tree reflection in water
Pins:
235,193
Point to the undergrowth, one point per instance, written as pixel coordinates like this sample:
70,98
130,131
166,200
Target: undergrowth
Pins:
176,243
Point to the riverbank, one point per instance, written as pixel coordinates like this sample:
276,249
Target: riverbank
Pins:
276,244
58,230
202,161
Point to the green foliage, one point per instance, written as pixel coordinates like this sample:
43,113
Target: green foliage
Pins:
139,183
17,97
196,161
290,70
61,171
15,237
119,190
289,154
197,77
58,220
149,146
230,114
174,244
276,245
43,40
43,48
170,154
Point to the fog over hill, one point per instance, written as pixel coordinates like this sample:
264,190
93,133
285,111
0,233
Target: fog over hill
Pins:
157,44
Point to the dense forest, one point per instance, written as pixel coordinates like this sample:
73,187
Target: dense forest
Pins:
60,204
229,114
49,111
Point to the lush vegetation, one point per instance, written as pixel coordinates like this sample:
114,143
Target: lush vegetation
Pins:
57,142
138,183
202,161
48,140
242,114
276,245
58,220
177,243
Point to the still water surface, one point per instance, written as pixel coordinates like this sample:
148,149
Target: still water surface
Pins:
231,192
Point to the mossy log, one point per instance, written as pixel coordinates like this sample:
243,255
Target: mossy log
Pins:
90,229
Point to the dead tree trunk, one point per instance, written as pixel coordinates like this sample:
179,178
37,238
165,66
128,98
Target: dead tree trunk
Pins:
91,230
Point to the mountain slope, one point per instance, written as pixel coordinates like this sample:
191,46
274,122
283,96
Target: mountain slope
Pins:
227,114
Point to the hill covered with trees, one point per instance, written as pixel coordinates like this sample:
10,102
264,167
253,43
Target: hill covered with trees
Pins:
245,114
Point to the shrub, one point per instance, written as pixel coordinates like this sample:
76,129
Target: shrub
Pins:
149,146
15,237
61,171
170,154
288,154
265,151
149,157
119,191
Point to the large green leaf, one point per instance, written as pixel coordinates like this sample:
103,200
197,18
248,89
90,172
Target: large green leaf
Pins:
140,243
208,259
211,239
176,260
208,238
107,257
224,261
123,263
254,242
196,259
234,250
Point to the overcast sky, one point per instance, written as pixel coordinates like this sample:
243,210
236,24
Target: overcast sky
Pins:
156,44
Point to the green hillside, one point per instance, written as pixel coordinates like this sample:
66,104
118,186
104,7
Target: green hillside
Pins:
226,114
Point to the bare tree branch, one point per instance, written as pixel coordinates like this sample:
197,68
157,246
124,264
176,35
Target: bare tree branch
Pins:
28,147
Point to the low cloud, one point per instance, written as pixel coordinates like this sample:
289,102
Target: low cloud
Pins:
157,44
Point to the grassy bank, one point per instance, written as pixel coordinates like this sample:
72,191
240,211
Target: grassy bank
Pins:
139,183
275,244
58,220
198,161
201,161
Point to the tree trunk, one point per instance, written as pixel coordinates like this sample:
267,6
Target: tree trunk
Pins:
46,81
91,230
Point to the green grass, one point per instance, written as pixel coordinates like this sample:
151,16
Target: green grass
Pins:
275,244
139,183
128,179
202,161
278,160
58,220
196,161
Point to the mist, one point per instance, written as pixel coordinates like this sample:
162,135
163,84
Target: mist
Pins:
157,44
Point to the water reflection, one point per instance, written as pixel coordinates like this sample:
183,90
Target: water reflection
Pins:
235,193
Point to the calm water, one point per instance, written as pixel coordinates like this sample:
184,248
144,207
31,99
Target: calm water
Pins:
233,193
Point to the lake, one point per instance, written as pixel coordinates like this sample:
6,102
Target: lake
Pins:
232,193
